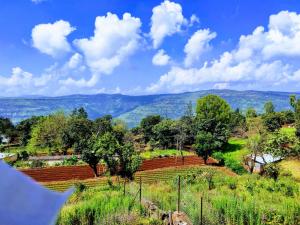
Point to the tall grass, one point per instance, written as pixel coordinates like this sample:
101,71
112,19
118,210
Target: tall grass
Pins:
98,206
241,200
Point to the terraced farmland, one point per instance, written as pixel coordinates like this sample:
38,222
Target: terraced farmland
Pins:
147,177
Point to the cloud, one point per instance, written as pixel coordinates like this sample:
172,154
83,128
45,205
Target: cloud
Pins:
113,42
160,58
21,82
75,61
194,19
51,39
197,45
265,58
166,20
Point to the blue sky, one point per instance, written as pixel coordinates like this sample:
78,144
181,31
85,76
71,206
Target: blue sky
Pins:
53,47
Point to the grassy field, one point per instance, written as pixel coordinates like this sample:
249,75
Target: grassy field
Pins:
293,166
236,149
163,153
102,205
246,199
227,199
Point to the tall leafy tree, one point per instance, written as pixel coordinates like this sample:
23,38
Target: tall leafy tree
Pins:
213,116
164,133
295,104
25,127
90,155
147,124
272,121
102,125
107,147
48,132
129,160
255,144
78,129
251,112
238,122
205,144
269,107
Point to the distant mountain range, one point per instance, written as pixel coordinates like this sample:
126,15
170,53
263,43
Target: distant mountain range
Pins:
132,109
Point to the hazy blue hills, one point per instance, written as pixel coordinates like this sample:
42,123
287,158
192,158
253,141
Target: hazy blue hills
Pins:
133,108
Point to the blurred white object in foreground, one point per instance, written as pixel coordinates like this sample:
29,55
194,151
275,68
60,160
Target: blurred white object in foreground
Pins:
25,202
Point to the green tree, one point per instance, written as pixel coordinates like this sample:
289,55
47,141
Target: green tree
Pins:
186,126
295,104
272,121
147,124
269,107
213,115
107,147
78,129
120,158
280,145
238,124
25,128
255,144
79,113
288,117
90,155
164,133
293,101
251,112
129,160
102,125
205,144
48,132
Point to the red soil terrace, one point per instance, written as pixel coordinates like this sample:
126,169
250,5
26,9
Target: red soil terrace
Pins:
63,173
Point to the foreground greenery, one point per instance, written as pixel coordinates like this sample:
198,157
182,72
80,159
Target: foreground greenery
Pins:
101,205
247,199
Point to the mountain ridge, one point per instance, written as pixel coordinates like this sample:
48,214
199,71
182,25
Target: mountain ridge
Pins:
133,108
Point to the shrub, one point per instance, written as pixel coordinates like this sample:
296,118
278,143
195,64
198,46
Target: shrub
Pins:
70,161
271,170
220,157
38,164
23,155
235,166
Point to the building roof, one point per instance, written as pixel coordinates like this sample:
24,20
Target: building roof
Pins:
266,158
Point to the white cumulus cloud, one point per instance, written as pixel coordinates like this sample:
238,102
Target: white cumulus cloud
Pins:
265,59
160,58
197,45
166,20
113,41
51,38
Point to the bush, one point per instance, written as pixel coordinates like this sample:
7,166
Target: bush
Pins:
235,166
220,157
23,155
79,187
38,164
70,161
271,170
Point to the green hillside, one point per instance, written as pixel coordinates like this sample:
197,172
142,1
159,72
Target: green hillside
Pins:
133,108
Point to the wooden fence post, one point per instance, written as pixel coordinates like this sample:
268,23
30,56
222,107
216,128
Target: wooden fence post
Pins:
124,191
140,195
178,199
201,210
